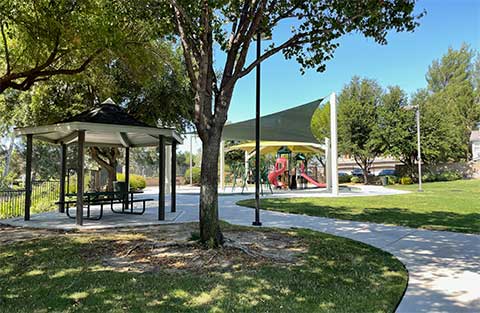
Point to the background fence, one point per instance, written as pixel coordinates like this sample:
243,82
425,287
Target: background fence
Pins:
44,195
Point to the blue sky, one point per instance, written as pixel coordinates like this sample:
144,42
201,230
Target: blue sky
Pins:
403,61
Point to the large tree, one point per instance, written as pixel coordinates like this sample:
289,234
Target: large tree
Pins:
451,82
315,27
358,131
320,126
148,80
40,39
397,127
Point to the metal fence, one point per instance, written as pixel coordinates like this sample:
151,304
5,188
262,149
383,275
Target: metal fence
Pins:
44,194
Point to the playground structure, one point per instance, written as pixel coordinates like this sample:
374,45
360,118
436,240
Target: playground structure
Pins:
288,171
288,127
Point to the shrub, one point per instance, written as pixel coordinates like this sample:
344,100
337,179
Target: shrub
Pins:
405,180
444,176
449,176
136,181
72,186
429,177
342,179
392,180
355,179
195,175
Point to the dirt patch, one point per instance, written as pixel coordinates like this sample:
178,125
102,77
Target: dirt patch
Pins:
9,234
242,249
171,248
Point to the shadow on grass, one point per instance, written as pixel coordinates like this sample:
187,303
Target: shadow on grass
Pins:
434,220
65,274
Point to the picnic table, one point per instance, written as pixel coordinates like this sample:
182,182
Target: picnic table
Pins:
102,198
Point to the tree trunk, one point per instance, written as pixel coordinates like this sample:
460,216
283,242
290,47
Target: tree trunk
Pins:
210,232
365,175
112,176
109,163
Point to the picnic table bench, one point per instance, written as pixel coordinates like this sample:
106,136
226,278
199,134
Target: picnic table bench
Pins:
107,198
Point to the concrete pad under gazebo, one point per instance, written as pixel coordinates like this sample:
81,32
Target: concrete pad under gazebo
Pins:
107,125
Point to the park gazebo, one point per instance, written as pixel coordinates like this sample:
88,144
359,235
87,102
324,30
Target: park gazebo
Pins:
105,126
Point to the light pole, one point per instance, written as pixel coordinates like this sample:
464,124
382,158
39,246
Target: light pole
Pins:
419,154
257,137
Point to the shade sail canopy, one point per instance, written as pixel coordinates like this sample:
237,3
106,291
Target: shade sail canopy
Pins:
107,125
267,147
288,125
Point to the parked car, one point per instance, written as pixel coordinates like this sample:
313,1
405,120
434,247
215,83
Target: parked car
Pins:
358,172
343,174
389,172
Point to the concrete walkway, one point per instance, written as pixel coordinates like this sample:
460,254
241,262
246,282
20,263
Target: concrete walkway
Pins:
444,267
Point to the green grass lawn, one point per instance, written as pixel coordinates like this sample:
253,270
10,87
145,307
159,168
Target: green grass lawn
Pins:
453,206
65,273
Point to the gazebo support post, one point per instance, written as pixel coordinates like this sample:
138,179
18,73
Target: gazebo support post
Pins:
80,177
127,175
63,174
161,179
174,177
28,178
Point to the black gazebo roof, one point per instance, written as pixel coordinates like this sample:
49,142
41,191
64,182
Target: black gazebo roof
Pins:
107,113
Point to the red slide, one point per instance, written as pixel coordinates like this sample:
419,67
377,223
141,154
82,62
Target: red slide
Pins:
309,179
273,175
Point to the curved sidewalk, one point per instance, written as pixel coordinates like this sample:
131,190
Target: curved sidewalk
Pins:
444,267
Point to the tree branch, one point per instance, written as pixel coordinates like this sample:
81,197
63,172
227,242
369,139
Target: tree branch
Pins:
187,48
36,74
293,40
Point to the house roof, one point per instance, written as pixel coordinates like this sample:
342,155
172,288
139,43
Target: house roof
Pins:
106,125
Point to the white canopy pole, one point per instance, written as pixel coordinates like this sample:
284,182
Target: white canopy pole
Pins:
328,165
333,143
247,157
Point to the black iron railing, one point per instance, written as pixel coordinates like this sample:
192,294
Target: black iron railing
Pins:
44,194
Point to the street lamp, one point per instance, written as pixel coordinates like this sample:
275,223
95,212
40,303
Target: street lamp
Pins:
257,136
419,154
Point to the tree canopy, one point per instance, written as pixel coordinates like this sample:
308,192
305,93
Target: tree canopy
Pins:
449,110
315,27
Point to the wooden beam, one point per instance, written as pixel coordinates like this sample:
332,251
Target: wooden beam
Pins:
161,179
42,138
28,177
174,177
80,176
63,174
123,137
68,138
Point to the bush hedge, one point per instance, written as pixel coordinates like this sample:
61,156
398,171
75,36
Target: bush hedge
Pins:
195,175
355,179
405,180
392,180
443,176
342,179
136,181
